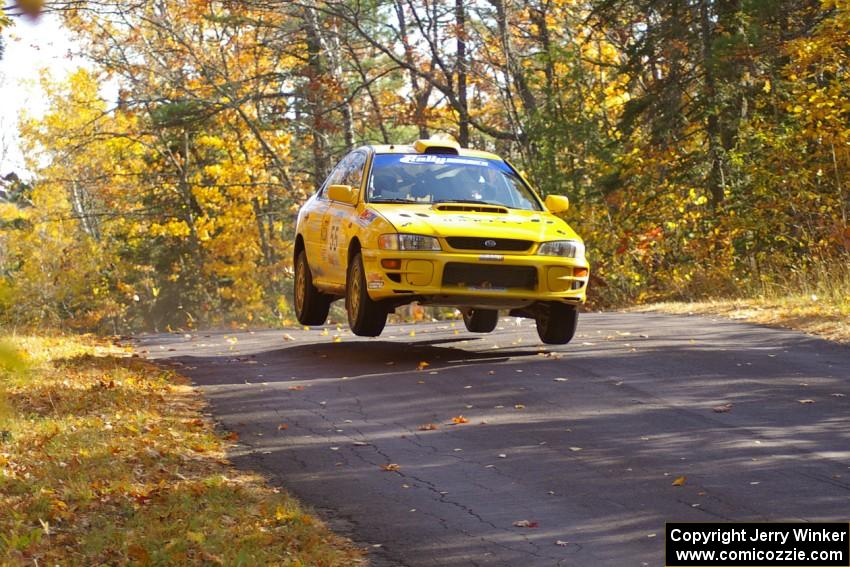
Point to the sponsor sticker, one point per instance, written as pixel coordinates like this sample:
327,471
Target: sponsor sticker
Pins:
485,288
374,281
366,217
430,159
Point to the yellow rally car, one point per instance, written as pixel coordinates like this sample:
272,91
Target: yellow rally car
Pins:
440,225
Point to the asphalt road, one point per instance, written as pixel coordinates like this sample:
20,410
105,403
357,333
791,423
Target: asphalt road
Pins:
583,441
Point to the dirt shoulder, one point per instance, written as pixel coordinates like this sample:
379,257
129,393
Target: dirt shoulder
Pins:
810,314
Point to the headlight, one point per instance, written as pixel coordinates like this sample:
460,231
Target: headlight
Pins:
408,242
565,248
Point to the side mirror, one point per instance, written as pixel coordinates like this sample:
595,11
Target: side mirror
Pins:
342,193
557,203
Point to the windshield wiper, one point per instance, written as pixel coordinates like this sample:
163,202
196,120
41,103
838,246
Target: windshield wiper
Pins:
395,201
469,201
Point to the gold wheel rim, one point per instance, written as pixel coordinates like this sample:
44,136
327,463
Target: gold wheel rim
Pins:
300,282
354,299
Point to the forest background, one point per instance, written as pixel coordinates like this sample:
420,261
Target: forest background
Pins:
704,144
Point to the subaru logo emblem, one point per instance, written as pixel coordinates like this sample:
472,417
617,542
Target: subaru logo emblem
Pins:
490,243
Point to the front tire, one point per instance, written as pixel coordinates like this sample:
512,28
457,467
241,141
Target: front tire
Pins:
556,323
311,305
365,316
480,320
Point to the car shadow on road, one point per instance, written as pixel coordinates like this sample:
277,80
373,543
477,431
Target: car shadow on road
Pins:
350,359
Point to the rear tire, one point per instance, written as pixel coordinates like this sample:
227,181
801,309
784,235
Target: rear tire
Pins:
480,320
556,323
365,316
311,305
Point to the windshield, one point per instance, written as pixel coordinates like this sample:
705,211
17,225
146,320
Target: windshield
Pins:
417,178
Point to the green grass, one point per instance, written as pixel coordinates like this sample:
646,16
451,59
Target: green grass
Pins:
106,460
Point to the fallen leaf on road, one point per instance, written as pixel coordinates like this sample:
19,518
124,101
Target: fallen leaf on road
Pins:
525,524
502,456
519,406
324,333
412,333
232,436
806,401
575,449
837,395
680,481
561,543
423,365
459,419
337,339
560,379
392,467
282,427
288,337
296,388
428,427
722,409
359,443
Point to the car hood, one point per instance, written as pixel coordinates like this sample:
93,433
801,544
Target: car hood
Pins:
430,220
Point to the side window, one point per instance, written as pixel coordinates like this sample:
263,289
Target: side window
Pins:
336,177
355,163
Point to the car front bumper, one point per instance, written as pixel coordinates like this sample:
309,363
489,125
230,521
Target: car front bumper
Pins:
495,280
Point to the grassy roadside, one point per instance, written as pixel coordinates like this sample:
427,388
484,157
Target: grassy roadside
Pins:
811,314
815,300
107,459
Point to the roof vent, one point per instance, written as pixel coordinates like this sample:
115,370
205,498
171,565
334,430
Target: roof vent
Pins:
437,147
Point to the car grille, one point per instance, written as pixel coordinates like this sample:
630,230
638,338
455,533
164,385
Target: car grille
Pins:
501,244
487,276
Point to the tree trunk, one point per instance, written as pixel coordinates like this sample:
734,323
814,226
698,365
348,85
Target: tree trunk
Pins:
715,181
463,125
315,99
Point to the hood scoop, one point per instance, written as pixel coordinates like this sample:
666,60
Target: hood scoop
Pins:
470,208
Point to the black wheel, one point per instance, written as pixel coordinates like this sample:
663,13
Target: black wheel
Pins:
480,320
365,316
556,323
311,305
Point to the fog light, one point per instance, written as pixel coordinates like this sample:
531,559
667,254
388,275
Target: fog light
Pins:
580,272
391,264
